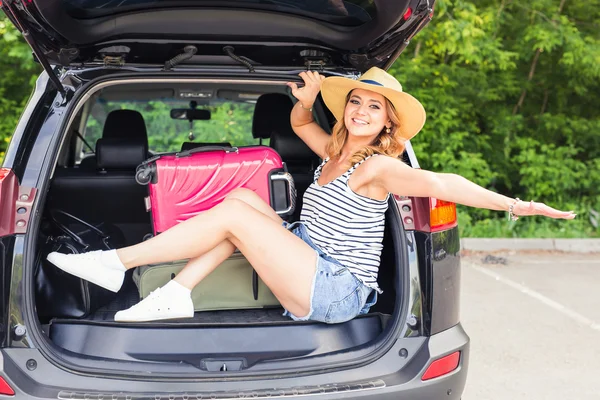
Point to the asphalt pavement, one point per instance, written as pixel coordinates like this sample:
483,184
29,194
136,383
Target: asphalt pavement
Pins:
534,322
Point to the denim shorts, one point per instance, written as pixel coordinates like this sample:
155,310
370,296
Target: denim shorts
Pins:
336,294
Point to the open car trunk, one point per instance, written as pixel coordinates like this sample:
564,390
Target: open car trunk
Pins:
252,340
226,339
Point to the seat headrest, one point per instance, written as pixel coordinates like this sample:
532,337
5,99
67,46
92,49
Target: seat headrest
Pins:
125,124
271,113
290,147
192,145
120,153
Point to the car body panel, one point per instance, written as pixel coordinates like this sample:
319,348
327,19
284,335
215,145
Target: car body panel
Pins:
445,280
7,244
439,266
396,375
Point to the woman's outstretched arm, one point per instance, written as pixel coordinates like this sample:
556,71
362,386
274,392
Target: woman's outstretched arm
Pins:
398,178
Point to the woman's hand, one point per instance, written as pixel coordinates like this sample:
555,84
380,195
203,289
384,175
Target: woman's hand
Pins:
523,208
307,94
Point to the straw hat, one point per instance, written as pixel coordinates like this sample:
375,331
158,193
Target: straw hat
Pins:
335,89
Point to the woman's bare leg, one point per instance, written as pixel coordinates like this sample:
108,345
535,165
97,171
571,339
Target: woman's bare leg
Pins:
199,267
284,262
152,251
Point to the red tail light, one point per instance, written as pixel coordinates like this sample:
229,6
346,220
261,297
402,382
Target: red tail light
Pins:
15,204
8,195
3,173
442,215
442,366
5,388
407,14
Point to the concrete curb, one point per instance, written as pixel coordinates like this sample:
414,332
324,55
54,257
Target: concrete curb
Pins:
567,245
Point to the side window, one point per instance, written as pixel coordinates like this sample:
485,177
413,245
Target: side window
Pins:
229,121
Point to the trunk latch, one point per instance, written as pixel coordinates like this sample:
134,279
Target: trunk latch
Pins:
214,365
314,60
113,61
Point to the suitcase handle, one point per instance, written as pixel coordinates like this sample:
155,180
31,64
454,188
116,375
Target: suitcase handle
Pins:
203,149
286,176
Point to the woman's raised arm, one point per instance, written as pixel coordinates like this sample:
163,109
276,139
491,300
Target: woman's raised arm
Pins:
400,179
301,117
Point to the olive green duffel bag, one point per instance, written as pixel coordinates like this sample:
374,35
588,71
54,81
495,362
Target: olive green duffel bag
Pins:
232,285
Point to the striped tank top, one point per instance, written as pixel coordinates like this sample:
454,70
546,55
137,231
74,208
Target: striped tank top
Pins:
345,225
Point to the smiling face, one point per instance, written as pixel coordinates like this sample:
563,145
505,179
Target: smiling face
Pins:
366,114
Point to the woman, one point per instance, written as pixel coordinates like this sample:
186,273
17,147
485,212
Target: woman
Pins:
324,267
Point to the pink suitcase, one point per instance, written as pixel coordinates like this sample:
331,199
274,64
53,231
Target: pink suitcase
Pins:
181,185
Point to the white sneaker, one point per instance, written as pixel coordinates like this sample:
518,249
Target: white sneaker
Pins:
89,266
157,306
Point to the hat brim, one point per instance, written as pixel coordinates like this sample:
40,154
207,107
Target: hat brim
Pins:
410,111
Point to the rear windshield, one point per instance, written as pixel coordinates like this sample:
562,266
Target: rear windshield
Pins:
342,12
228,121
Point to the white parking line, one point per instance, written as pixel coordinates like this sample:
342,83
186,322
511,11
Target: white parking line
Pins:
538,296
570,261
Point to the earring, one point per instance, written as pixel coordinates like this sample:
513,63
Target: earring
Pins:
388,130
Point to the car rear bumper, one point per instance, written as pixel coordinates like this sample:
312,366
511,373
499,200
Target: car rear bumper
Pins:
47,380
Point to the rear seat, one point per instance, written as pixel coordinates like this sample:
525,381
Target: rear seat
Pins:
107,191
120,124
266,105
272,119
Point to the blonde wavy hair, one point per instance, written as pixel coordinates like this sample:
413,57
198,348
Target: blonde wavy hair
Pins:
385,143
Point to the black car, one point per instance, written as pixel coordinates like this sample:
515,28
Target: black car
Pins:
126,69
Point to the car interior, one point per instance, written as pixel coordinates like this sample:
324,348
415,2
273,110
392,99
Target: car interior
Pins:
121,126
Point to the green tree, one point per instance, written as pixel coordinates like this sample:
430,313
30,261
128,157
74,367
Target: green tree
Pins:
512,93
19,72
